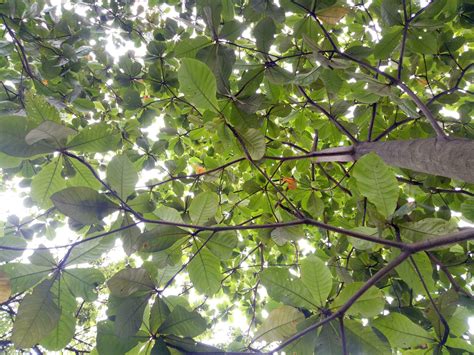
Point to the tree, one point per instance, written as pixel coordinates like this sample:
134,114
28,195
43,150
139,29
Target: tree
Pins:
305,164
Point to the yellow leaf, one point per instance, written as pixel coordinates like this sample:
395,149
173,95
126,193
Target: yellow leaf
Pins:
5,287
332,15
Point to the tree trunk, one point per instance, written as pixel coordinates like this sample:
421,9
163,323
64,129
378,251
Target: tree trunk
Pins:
452,157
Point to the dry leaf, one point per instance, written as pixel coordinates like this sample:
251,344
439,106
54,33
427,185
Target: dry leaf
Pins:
332,15
5,287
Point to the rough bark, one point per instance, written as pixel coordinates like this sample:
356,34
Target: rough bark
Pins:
452,157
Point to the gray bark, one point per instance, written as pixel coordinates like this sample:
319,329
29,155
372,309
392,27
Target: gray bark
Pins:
451,157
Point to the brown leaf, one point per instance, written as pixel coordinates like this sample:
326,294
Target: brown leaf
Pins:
332,15
5,287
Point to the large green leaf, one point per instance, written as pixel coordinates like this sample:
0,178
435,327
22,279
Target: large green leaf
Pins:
48,181
409,274
401,332
24,276
220,244
467,209
83,204
377,182
133,281
60,336
428,228
283,289
370,304
13,130
90,250
63,333
264,32
129,315
13,243
254,142
198,84
317,278
83,282
205,272
158,313
159,238
122,176
50,132
108,343
362,339
203,207
39,110
97,138
37,316
82,175
184,323
280,324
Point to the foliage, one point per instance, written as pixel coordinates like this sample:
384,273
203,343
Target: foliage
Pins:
186,181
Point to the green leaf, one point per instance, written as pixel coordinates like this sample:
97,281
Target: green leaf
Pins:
108,343
280,324
132,99
37,316
203,207
389,12
363,244
48,181
13,130
428,228
7,161
391,39
7,255
160,238
90,250
282,235
408,273
43,257
401,332
377,182
467,209
317,278
82,176
254,142
184,323
158,313
198,84
40,110
362,339
60,336
83,282
264,32
51,132
129,316
422,42
190,346
24,276
189,47
83,204
122,176
63,333
370,304
288,291
205,272
133,281
220,244
97,138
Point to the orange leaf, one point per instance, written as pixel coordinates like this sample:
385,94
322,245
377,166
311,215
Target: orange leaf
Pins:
291,183
332,15
45,82
199,169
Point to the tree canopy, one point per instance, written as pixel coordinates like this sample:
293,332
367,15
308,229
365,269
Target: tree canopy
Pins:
237,175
